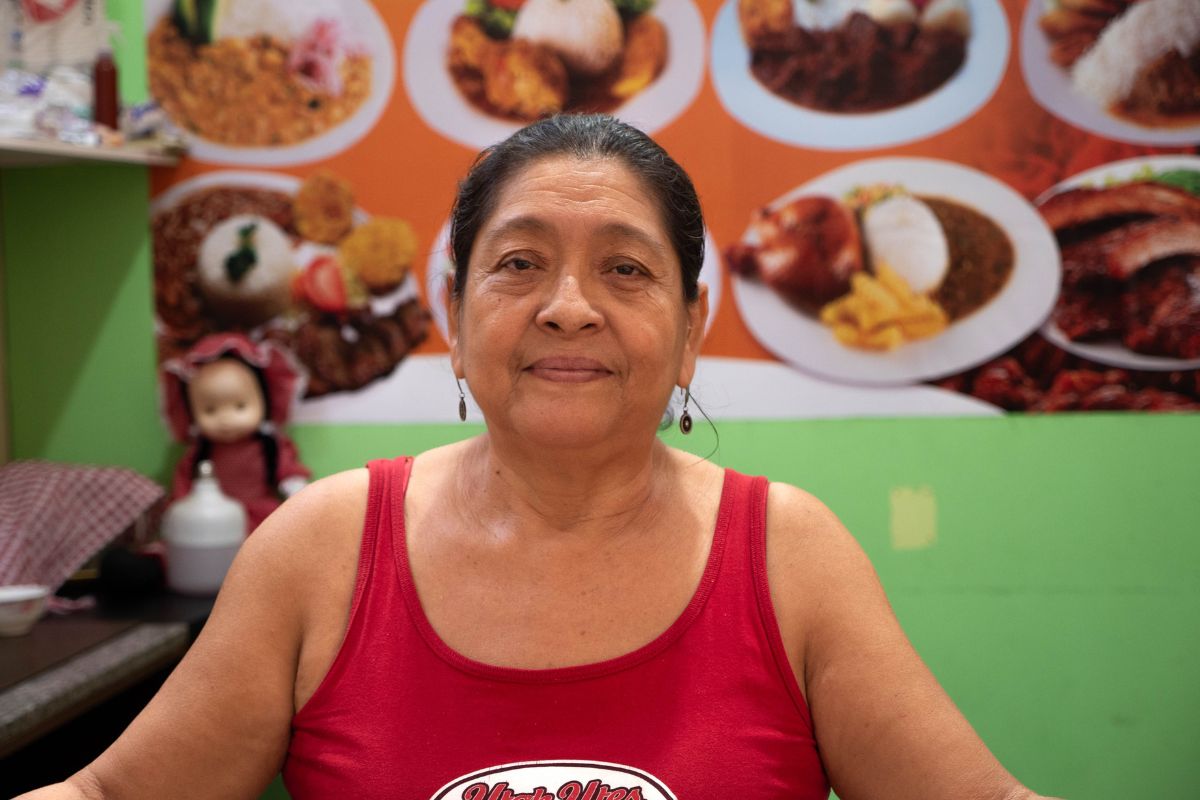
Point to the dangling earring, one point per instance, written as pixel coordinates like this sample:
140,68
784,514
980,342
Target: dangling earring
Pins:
685,419
462,402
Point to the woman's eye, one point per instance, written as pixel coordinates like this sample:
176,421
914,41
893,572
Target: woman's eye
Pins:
626,269
519,264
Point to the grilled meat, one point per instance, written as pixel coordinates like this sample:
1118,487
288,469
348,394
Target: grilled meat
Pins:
1124,250
1162,310
1131,266
1136,199
1091,311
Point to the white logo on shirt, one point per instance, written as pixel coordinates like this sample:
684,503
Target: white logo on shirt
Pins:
556,780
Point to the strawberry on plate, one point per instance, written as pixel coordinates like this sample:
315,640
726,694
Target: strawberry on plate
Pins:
327,286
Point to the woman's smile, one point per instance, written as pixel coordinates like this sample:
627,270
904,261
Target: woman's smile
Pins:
568,369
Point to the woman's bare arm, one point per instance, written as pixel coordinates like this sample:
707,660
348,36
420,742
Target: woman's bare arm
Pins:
884,726
219,726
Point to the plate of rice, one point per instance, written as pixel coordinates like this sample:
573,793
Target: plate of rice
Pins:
754,105
297,262
1124,69
269,82
440,102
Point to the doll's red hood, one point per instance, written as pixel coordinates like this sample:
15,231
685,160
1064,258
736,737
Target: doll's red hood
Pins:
284,379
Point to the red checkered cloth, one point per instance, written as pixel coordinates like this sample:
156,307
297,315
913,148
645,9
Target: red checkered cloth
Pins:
54,517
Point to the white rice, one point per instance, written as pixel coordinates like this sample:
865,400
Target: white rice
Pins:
1145,33
262,289
286,20
825,14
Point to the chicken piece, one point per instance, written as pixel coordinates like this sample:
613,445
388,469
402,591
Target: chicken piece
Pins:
761,18
525,80
809,249
470,45
643,58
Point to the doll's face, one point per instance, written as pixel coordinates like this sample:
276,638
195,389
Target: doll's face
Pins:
226,400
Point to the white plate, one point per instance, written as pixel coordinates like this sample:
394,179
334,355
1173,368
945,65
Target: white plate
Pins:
381,305
363,27
762,111
1051,86
1114,353
288,184
1019,308
438,101
440,265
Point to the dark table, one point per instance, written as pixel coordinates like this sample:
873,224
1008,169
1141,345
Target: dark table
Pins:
69,665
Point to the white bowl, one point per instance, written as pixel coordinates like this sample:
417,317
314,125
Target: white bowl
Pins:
20,607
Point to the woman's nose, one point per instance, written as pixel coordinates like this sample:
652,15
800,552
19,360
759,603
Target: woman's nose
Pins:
568,308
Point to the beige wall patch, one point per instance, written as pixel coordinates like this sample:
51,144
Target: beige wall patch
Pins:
913,518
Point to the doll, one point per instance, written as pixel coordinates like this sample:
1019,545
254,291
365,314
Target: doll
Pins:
227,399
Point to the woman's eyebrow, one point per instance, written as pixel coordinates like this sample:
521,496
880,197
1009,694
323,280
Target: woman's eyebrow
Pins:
519,224
623,230
610,230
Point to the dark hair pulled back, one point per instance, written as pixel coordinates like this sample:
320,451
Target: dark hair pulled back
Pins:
584,136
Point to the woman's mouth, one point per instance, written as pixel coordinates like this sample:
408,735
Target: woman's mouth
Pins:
568,369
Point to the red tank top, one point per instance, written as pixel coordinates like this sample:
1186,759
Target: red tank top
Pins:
708,709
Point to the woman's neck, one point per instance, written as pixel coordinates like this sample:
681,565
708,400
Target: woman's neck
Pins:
578,493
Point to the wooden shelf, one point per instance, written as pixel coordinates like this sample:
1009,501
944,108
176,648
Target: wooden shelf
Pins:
40,153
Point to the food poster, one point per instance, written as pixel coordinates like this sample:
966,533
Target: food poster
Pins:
914,207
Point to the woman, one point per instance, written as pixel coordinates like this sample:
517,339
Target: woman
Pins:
563,607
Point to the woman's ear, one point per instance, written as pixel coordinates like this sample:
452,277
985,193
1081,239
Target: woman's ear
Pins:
697,314
453,307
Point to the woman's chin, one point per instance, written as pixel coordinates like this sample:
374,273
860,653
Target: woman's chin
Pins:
564,429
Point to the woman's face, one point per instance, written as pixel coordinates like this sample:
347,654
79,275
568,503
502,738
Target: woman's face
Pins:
572,327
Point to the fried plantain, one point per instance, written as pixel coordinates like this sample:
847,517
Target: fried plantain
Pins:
525,80
470,45
643,58
1061,22
764,17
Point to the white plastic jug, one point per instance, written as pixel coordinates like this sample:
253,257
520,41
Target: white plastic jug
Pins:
203,532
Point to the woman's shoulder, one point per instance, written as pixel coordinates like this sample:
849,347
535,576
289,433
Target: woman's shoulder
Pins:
321,503
317,527
799,517
801,526
811,556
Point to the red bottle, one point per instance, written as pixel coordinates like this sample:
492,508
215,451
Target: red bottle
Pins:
104,90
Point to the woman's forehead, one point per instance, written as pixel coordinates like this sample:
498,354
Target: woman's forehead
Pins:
605,191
